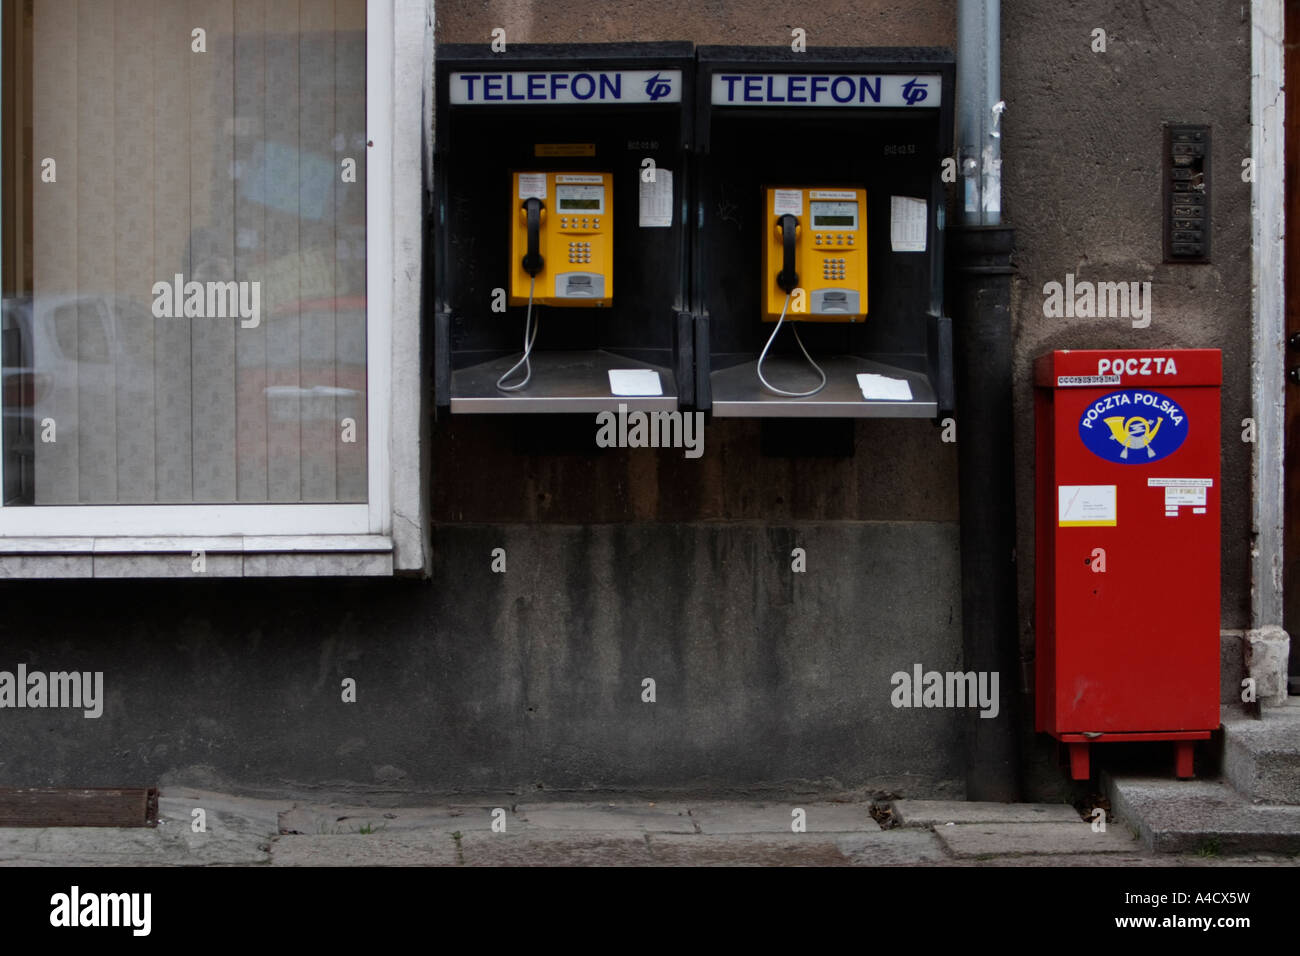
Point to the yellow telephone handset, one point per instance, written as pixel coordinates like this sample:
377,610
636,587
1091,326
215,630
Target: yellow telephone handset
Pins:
561,241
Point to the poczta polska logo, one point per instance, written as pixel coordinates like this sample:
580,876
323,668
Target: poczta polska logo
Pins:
1134,426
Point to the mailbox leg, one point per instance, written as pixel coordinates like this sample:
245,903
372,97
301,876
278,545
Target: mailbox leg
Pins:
1079,769
1183,759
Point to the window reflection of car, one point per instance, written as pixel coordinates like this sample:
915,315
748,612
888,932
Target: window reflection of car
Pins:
67,342
96,355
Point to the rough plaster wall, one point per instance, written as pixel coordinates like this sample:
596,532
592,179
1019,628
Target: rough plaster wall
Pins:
1082,181
829,23
525,681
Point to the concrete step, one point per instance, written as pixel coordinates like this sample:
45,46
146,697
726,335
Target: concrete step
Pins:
1206,816
1261,757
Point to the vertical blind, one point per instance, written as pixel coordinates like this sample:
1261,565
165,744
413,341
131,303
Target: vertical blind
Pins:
196,310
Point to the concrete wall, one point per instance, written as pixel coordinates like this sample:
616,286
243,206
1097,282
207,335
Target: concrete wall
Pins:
623,565
528,680
1082,180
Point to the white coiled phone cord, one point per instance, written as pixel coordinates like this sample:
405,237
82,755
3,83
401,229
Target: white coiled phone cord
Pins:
528,346
772,338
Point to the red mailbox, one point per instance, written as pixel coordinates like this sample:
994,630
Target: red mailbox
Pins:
1127,565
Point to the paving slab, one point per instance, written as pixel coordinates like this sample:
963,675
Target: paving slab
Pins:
1143,859
609,817
896,847
1014,839
924,813
237,831
778,817
747,849
575,848
1182,816
358,849
339,820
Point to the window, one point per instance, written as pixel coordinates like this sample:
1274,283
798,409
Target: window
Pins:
196,335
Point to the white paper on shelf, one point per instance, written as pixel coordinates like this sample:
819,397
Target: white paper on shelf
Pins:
883,388
634,381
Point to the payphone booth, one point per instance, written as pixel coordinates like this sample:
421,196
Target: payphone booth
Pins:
559,228
818,274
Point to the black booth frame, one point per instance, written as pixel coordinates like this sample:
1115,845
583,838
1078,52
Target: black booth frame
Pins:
648,324
739,150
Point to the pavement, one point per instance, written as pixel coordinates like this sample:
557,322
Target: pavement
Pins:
199,828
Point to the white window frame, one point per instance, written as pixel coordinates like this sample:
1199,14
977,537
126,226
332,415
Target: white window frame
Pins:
398,121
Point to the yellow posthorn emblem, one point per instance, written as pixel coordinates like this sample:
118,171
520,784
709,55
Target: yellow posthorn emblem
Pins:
1135,432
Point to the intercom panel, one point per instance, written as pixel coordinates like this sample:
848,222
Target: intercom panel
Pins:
815,252
561,244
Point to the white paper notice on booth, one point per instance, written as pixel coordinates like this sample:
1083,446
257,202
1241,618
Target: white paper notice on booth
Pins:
907,224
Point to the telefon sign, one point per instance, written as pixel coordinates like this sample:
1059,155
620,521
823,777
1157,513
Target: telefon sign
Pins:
826,89
569,88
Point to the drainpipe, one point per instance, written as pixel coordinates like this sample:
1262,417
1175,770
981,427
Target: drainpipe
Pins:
983,365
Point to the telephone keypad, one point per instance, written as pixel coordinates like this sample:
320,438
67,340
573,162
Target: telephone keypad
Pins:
579,251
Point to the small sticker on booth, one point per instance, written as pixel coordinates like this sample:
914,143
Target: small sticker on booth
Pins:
1086,506
787,202
532,185
908,219
657,200
564,149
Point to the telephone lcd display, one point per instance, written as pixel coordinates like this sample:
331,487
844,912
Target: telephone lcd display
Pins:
580,198
834,215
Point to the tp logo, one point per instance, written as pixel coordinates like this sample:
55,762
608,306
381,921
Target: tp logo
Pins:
914,91
657,88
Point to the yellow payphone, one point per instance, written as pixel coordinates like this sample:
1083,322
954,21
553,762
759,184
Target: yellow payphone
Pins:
814,263
561,247
815,240
561,239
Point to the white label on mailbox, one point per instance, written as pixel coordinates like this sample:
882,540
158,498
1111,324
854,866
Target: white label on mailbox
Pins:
1081,506
1182,492
1066,381
1176,496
